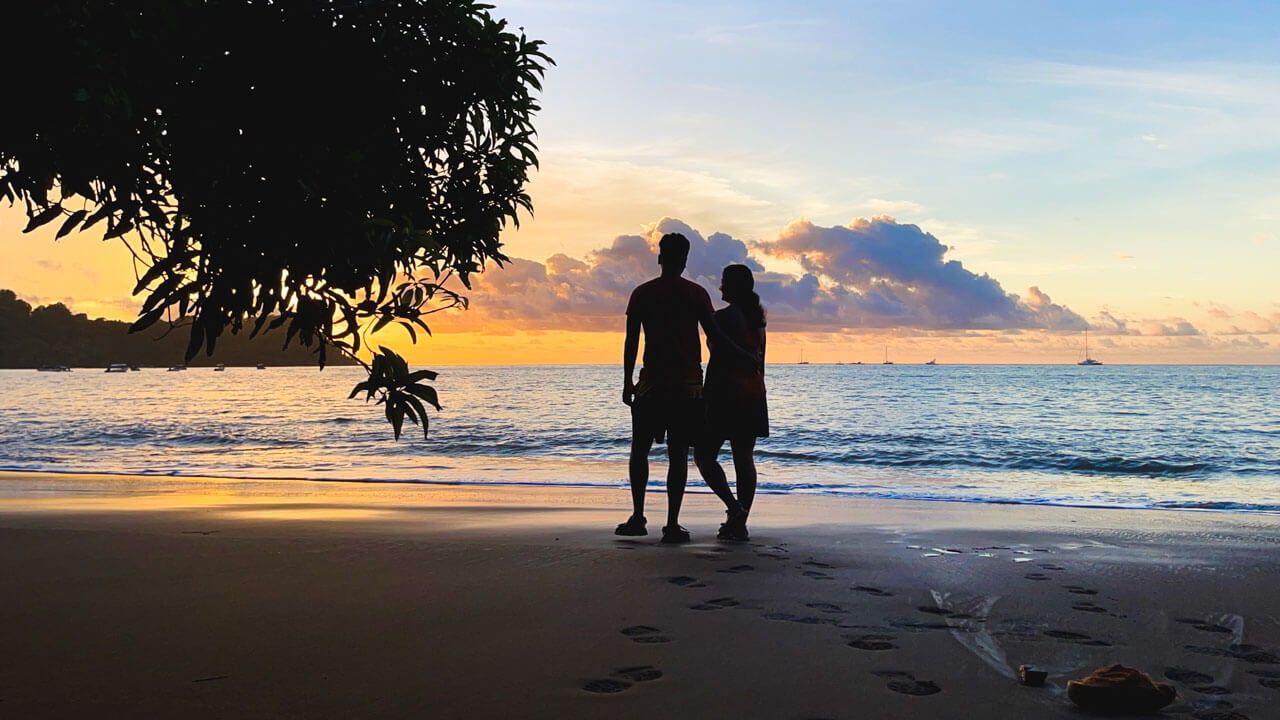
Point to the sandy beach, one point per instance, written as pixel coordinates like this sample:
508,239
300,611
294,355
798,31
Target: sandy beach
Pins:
177,597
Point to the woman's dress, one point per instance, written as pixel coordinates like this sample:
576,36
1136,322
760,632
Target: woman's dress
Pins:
734,391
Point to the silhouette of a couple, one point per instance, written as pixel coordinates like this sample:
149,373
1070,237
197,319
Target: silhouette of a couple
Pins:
671,399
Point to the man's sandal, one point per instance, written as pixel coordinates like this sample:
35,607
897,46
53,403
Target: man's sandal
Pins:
674,535
633,527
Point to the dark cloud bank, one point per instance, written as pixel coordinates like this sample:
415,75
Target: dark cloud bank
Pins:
871,274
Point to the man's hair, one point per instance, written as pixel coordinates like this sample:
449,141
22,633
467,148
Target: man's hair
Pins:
674,246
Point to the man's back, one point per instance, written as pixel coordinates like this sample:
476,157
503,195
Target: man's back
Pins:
669,309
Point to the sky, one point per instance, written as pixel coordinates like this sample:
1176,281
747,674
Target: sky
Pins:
968,181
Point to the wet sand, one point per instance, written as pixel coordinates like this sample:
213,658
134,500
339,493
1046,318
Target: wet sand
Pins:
166,597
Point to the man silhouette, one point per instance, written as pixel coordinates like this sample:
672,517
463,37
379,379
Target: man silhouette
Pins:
668,396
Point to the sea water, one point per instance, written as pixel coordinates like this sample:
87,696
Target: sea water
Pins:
1200,437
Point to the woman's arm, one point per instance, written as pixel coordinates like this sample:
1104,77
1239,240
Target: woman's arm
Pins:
761,332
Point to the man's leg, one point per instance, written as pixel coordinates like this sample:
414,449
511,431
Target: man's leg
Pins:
677,477
638,466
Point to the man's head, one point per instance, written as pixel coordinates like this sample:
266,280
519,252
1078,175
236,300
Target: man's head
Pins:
673,253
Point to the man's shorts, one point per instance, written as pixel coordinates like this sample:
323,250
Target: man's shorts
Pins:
676,411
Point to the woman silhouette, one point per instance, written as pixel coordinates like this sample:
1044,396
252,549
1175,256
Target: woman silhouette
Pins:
735,397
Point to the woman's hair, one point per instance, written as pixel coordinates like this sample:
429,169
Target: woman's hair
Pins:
739,289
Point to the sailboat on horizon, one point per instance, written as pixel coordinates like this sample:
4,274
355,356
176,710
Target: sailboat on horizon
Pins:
802,360
887,361
1088,360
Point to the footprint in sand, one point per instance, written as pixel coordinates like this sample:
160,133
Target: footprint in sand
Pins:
935,610
917,626
685,581
1222,711
715,604
645,634
1037,576
1247,653
774,556
907,684
872,642
1187,676
605,685
816,575
872,591
1065,635
1267,678
637,673
1079,590
799,619
825,607
814,563
1202,625
1088,607
736,569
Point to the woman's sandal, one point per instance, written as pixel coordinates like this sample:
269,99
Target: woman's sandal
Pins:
735,528
633,527
674,535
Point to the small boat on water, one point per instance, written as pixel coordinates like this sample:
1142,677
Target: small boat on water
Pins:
178,368
53,368
1088,360
219,368
887,361
117,367
932,362
802,360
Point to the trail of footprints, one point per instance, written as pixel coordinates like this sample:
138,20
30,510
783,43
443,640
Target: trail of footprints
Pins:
1209,702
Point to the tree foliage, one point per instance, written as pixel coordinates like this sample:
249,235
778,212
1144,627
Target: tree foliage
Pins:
319,166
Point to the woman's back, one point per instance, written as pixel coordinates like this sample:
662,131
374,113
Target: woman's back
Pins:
728,376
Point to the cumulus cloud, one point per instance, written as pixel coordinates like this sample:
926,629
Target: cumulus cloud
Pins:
870,274
884,274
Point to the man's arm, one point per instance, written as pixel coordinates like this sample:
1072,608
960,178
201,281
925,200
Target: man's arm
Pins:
630,348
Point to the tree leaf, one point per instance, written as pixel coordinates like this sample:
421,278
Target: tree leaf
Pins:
70,224
44,217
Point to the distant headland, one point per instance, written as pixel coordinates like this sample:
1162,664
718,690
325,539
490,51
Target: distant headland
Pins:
51,335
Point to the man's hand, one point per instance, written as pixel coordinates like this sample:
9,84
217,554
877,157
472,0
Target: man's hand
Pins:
628,393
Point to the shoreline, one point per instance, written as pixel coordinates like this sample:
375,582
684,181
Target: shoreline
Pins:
695,488
215,597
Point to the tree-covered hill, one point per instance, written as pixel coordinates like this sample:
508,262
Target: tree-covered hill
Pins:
52,335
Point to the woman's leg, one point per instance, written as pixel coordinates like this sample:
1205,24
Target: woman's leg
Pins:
744,467
705,456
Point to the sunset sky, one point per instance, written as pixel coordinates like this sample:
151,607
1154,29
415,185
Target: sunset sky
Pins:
968,181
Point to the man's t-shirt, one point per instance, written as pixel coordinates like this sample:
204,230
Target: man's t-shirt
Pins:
669,310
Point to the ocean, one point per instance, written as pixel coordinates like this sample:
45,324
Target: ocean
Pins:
1194,437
